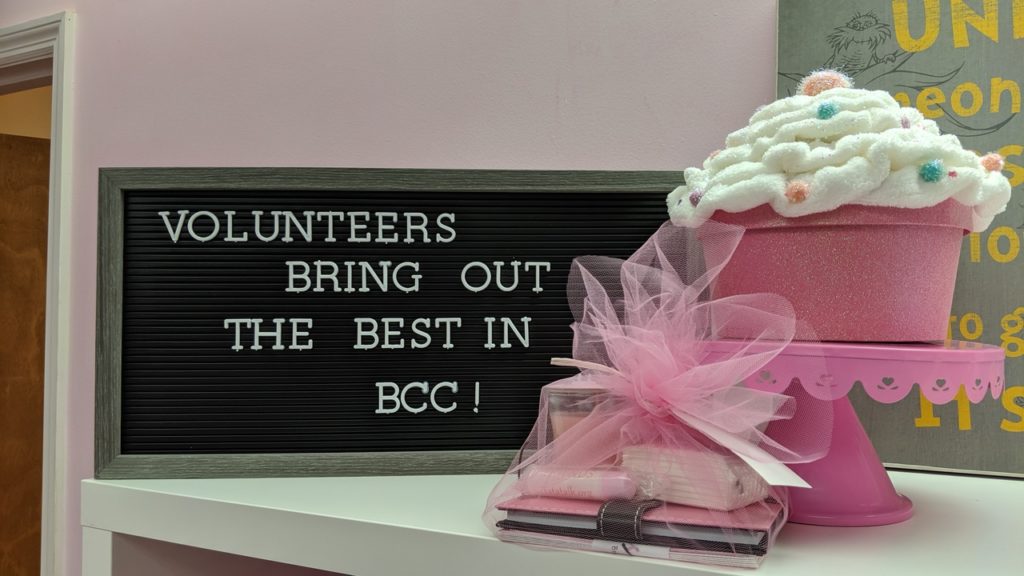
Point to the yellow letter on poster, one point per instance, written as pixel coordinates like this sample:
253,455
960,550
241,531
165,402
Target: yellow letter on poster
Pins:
995,247
928,418
957,99
1018,19
1016,170
1010,397
1011,338
901,21
1001,86
929,101
963,410
974,241
962,15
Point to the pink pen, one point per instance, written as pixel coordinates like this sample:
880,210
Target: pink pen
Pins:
600,484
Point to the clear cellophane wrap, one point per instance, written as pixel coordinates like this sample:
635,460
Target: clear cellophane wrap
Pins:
657,448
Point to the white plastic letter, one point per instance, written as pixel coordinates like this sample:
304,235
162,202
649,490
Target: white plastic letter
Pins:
231,229
454,387
415,287
487,273
354,226
292,275
382,227
237,322
537,266
361,331
498,265
489,320
524,336
330,223
192,223
388,333
306,233
393,397
447,323
421,226
259,233
422,386
417,326
381,280
176,233
440,224
320,275
296,333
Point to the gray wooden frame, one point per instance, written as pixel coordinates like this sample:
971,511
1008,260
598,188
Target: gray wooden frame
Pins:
110,463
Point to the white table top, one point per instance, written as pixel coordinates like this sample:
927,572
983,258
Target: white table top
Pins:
427,525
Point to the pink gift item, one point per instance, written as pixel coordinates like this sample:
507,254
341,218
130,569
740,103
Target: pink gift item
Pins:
849,487
568,402
652,406
857,273
596,484
683,476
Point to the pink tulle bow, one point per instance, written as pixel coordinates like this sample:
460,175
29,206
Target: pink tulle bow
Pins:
641,333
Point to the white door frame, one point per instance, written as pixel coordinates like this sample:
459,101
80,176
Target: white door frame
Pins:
42,39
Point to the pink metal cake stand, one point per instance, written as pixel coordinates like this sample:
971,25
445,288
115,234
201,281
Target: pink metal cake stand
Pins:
849,486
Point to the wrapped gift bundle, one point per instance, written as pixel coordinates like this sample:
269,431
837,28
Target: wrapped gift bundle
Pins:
658,447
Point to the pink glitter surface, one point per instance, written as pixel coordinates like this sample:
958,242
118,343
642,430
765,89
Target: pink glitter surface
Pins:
855,274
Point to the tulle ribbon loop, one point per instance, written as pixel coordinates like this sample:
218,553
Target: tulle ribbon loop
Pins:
642,334
732,428
584,365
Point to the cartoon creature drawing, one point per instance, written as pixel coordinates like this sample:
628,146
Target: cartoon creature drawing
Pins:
855,45
864,49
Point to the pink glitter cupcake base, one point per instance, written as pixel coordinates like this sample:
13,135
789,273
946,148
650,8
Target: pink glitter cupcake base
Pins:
855,274
887,373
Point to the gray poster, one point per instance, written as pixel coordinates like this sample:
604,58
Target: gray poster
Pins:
961,63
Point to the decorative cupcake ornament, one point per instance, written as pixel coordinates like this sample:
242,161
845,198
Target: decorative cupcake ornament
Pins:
992,162
796,191
820,80
831,145
932,171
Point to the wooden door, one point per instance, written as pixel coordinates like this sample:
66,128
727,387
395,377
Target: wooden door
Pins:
24,191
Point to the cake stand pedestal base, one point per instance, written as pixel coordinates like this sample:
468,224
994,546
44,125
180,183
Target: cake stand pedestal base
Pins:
850,487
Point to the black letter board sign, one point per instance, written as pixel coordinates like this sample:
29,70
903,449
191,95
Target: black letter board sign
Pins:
290,322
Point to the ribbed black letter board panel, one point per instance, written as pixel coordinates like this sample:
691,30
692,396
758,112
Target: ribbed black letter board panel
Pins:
329,312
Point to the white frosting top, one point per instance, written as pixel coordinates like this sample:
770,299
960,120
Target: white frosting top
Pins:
809,154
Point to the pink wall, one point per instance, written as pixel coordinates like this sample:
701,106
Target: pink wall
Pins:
532,84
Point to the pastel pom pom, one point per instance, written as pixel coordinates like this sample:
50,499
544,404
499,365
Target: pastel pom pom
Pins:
797,191
817,82
827,110
992,162
695,196
932,171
